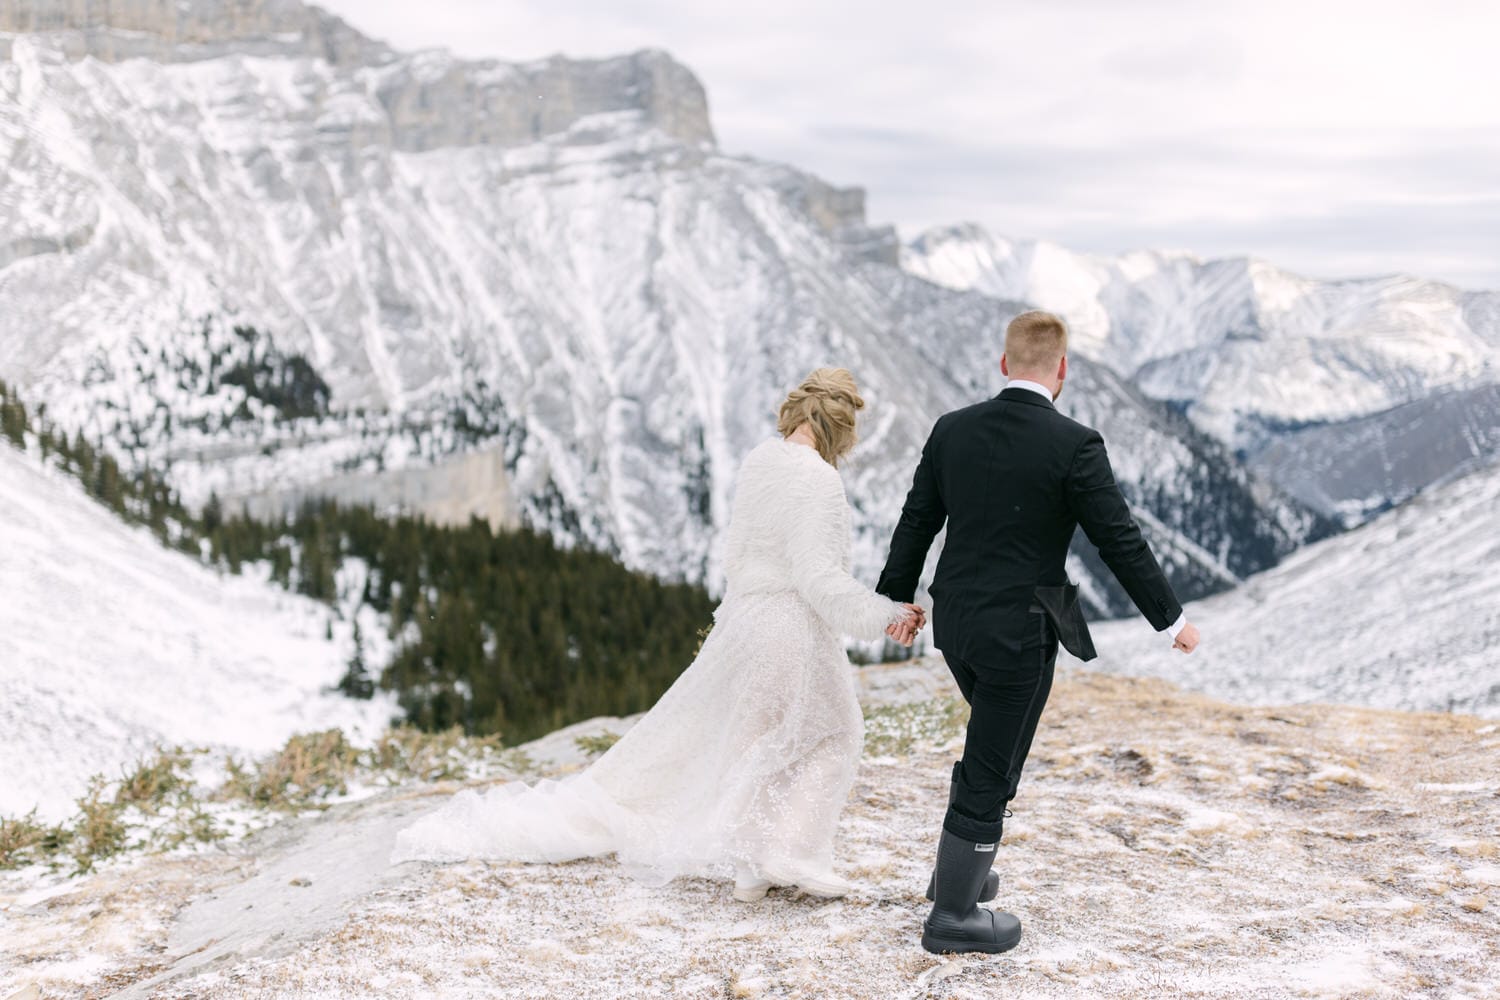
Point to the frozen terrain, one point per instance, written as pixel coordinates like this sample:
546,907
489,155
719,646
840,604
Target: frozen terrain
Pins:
1164,844
111,645
1403,612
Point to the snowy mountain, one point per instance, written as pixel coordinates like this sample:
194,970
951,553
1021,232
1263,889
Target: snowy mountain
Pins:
1352,395
111,645
1403,612
243,241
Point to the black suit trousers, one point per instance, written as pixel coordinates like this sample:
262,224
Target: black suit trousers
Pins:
1006,701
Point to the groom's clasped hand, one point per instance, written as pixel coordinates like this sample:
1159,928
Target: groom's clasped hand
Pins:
905,632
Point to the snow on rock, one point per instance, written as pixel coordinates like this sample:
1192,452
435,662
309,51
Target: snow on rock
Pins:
1237,340
1163,844
549,267
1350,394
1403,612
111,645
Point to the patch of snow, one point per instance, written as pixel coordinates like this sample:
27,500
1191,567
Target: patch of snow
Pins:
111,645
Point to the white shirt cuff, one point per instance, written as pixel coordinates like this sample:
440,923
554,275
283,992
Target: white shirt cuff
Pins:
1177,626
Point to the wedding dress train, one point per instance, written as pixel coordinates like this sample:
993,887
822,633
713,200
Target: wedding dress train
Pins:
746,761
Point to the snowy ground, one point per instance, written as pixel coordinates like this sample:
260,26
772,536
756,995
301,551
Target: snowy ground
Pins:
111,645
1163,844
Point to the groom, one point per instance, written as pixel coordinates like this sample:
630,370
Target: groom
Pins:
1012,478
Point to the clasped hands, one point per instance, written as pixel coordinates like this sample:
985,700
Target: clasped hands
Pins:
905,632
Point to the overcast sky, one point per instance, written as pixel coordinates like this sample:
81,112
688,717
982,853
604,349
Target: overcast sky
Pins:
1334,138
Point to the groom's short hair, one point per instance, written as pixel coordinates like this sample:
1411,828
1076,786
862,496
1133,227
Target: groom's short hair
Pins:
1035,340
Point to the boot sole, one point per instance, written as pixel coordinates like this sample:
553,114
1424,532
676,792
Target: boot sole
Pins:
938,945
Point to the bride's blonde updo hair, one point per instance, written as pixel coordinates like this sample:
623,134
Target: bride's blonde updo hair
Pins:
827,401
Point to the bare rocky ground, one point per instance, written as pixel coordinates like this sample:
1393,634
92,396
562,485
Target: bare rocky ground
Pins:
1164,844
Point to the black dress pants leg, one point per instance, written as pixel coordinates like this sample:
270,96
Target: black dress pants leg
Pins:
1006,702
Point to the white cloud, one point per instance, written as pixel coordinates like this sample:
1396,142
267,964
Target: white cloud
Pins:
1328,135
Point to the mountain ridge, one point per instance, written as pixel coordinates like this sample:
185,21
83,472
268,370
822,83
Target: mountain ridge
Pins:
1289,372
610,313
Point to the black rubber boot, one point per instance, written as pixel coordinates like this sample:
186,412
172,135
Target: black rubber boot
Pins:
992,880
956,922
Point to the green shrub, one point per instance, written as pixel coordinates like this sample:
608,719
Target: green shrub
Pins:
597,744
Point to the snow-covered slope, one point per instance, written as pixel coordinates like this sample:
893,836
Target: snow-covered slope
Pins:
1253,354
1356,468
1403,612
586,300
110,645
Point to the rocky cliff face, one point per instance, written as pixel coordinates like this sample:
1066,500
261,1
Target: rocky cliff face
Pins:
177,31
423,101
581,288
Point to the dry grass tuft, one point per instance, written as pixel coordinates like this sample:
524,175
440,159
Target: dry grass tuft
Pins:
100,831
156,781
309,768
156,805
1477,849
406,752
23,839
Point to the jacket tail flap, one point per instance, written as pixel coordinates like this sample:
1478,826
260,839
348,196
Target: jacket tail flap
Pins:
1061,606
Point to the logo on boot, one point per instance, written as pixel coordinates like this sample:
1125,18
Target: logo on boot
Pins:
981,848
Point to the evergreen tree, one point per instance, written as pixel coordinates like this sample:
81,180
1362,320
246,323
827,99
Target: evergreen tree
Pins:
356,682
213,513
13,422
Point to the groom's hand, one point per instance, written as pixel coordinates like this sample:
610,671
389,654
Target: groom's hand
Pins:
1187,639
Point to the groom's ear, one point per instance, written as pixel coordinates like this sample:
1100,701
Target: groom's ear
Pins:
1062,369
1004,368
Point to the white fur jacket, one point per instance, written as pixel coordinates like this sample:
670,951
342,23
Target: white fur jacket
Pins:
789,530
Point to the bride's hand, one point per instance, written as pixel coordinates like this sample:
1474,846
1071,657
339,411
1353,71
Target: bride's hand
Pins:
905,631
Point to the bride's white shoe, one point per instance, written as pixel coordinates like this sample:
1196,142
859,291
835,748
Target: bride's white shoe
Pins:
825,885
751,891
828,886
749,887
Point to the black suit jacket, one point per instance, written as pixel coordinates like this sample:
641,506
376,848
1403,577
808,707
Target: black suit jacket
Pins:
1013,478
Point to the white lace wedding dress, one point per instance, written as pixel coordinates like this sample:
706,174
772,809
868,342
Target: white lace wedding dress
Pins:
746,761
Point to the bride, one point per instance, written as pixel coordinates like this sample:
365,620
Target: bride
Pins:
747,760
